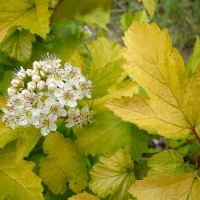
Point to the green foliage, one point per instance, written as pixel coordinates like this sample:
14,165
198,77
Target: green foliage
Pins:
127,19
18,181
167,162
145,83
18,45
63,164
114,176
32,15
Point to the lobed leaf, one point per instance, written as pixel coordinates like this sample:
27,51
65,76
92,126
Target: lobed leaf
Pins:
17,180
150,6
32,15
84,196
184,187
18,45
63,164
127,18
172,106
2,102
109,133
167,162
97,16
114,176
194,59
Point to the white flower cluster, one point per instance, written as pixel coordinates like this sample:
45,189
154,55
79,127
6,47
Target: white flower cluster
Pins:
42,95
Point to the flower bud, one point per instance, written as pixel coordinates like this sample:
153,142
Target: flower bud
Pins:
43,74
29,72
36,78
12,91
31,86
25,92
52,87
35,72
16,83
41,85
22,75
48,69
37,65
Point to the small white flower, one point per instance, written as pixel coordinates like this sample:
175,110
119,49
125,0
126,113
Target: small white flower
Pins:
47,125
31,86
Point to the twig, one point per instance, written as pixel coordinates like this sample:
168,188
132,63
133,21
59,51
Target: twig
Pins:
51,36
185,143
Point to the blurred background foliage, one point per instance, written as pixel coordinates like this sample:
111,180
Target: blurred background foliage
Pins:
75,24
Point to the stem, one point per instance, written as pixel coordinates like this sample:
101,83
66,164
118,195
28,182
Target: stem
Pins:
51,36
184,144
196,135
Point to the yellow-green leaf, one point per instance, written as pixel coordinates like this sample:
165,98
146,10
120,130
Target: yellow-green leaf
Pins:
172,106
2,102
97,16
105,77
126,88
66,46
127,18
67,9
114,176
63,164
17,180
109,133
76,60
168,162
194,59
7,134
18,45
103,52
5,83
150,6
84,196
32,15
184,187
26,142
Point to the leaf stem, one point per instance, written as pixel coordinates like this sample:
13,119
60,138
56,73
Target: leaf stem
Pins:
196,135
184,144
53,37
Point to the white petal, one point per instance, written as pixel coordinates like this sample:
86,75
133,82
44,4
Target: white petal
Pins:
60,84
63,112
58,92
53,127
72,103
49,101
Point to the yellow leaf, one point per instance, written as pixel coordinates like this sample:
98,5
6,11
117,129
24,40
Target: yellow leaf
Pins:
103,52
17,181
76,60
84,196
150,6
114,176
32,15
183,187
172,106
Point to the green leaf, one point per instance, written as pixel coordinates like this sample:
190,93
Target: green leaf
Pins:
125,88
38,50
150,6
32,15
67,9
97,16
65,47
5,83
105,77
27,141
2,102
114,176
103,52
18,45
63,164
194,58
193,148
167,162
65,196
127,19
18,181
84,196
7,134
109,133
